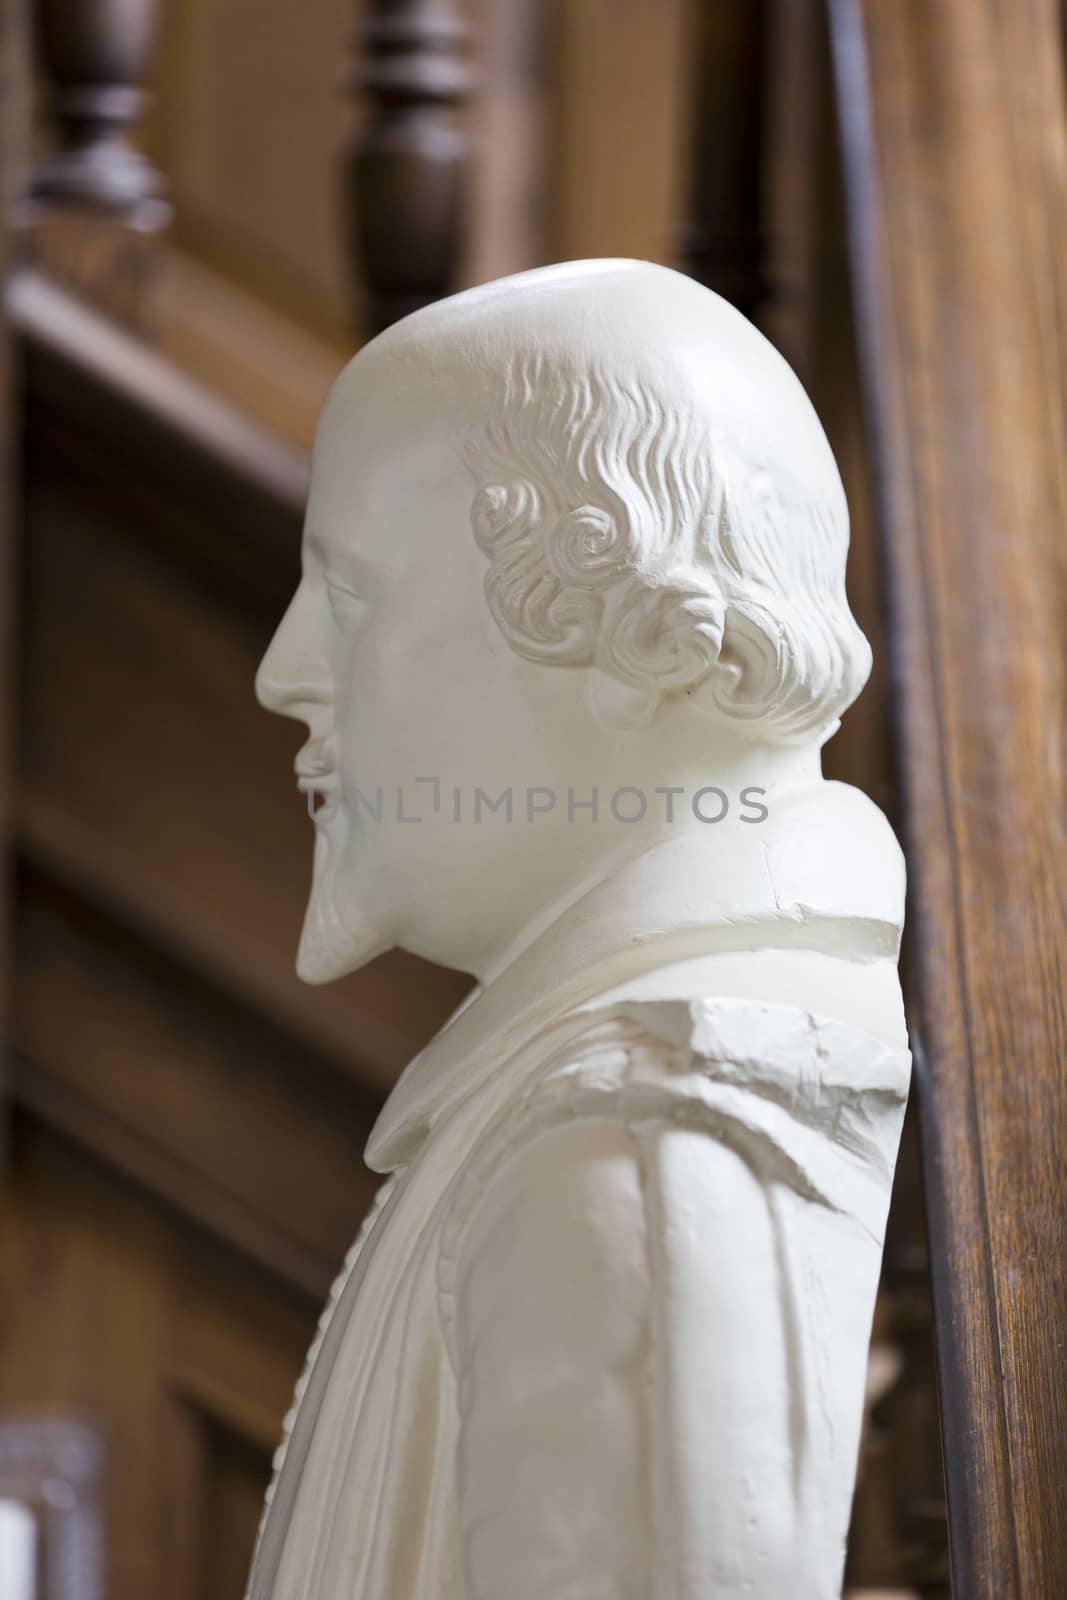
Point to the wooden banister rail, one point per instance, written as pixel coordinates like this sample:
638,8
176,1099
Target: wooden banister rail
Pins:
955,148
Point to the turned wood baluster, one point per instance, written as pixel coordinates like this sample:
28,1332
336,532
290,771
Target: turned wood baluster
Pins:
94,55
95,203
408,167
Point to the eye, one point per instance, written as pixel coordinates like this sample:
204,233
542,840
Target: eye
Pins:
347,606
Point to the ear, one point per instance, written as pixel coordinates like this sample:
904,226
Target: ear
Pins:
618,705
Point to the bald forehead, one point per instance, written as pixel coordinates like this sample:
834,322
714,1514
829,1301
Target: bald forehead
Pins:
387,464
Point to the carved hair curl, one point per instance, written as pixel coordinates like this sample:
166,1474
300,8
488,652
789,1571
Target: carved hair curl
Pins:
619,535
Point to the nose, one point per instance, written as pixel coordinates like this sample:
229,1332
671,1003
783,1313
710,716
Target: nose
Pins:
293,675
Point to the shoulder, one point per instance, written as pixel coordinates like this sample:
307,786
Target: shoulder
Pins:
635,1062
829,847
811,1102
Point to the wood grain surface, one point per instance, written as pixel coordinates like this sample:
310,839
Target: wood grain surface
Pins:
956,156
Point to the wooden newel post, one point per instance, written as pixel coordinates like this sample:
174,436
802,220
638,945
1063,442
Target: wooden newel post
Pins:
408,166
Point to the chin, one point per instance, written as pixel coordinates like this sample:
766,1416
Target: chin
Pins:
329,950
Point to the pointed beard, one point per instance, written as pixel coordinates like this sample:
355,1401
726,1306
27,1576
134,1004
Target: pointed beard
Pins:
337,937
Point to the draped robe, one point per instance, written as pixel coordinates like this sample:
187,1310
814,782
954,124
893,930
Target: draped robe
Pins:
750,1141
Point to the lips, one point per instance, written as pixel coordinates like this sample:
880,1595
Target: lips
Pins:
322,798
318,778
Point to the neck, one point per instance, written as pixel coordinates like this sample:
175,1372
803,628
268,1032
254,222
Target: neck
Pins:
822,875
579,856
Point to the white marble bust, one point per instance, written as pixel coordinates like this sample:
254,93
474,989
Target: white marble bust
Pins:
571,633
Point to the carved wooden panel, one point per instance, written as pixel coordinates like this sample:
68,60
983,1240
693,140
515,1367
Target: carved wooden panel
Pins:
185,1355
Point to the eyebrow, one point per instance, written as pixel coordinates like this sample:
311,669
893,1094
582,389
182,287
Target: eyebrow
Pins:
347,565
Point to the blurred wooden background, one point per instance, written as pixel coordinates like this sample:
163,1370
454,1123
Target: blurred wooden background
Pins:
186,1119
189,1120
577,131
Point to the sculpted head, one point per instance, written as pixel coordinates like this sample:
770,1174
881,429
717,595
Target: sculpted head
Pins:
575,529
